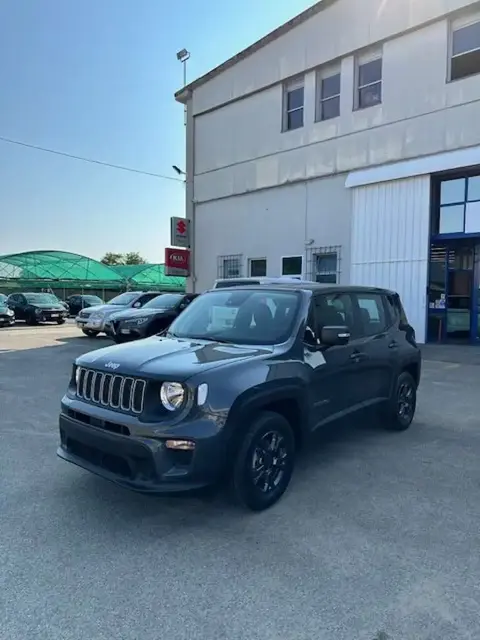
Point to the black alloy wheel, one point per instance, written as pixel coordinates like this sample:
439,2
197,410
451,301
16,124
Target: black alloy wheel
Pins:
265,462
61,321
402,406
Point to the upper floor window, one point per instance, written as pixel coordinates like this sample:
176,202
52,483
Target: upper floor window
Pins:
328,95
369,82
293,102
465,50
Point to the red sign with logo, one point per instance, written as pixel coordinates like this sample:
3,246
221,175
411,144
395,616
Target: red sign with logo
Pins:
177,262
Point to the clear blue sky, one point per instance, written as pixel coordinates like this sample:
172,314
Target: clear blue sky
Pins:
96,78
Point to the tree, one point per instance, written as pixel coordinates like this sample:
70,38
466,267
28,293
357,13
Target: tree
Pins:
112,258
132,257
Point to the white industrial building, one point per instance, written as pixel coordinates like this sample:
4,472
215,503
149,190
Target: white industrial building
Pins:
345,146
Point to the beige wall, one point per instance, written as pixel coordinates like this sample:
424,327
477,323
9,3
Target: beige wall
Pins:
240,147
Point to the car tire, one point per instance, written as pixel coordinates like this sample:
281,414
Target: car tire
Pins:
62,321
90,333
32,321
269,434
400,409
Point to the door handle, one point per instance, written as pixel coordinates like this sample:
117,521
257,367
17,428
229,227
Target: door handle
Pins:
357,356
393,345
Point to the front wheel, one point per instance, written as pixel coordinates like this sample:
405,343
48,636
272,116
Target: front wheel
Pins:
61,321
90,333
400,409
264,462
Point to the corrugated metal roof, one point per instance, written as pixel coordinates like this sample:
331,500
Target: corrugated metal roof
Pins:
182,94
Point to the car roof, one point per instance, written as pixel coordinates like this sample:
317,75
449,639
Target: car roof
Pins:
314,287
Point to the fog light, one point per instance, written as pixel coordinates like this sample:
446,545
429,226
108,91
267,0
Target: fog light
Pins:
180,445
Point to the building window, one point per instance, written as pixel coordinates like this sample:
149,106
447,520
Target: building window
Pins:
459,210
292,266
328,96
369,82
465,56
257,267
229,266
293,105
323,264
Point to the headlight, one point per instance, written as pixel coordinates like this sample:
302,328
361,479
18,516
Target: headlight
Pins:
9,312
172,395
77,375
139,321
38,312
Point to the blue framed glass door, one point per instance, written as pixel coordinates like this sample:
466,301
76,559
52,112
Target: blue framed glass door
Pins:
454,293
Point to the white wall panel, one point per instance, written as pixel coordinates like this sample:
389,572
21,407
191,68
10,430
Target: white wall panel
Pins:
390,242
271,224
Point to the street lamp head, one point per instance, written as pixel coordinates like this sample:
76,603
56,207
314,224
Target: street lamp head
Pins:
183,55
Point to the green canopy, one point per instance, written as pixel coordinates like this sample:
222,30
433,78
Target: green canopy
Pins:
153,276
61,269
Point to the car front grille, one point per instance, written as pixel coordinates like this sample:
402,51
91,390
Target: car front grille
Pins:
110,390
84,314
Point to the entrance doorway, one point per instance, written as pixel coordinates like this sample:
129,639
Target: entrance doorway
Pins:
453,292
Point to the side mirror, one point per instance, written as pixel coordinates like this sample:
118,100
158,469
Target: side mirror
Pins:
182,306
137,305
334,336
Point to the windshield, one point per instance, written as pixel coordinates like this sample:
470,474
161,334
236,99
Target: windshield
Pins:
93,299
41,298
241,317
123,299
165,301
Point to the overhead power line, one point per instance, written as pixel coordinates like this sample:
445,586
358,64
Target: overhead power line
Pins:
89,160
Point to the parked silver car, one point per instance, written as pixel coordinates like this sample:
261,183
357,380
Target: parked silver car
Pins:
92,320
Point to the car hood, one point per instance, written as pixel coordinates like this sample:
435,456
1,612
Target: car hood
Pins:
3,308
49,307
177,359
106,309
130,314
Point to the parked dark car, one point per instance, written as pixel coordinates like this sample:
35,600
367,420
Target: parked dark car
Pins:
78,302
92,320
243,378
154,317
7,316
37,307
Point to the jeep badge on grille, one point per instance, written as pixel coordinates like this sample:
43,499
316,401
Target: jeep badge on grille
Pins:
112,365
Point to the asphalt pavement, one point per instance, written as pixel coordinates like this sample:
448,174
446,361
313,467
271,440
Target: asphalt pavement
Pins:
378,534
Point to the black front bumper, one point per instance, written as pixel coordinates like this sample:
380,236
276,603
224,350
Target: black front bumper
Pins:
7,321
142,464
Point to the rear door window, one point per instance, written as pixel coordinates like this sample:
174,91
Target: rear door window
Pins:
372,313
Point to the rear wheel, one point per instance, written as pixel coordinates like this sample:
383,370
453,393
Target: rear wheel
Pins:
400,409
264,462
90,333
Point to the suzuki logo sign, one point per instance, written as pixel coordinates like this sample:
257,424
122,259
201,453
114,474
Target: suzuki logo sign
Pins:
180,232
177,262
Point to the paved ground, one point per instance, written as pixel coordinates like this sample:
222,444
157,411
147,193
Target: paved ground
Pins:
378,532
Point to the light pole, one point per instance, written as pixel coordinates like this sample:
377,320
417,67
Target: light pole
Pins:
182,56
